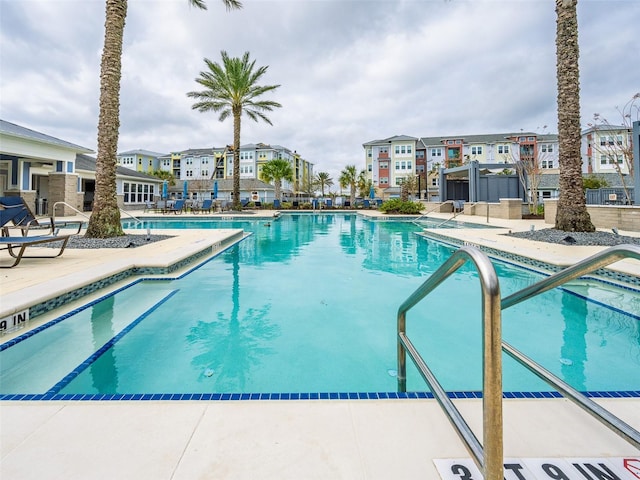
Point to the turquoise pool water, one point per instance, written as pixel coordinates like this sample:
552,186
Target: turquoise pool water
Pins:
308,304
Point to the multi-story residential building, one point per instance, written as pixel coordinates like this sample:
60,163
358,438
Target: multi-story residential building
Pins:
140,160
606,149
200,166
390,161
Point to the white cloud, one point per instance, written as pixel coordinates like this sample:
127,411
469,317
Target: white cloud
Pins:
351,71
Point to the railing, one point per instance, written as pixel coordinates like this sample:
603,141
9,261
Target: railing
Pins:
55,205
416,220
129,215
588,265
489,459
455,214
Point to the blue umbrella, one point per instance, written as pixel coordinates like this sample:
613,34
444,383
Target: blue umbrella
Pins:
164,189
185,190
372,193
215,189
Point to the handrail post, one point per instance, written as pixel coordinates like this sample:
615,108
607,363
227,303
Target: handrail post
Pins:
402,354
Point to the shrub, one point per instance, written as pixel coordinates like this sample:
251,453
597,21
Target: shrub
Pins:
395,205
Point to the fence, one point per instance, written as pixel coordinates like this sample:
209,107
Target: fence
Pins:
609,196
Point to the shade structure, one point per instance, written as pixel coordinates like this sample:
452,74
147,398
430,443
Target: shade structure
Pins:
185,190
215,189
165,187
372,193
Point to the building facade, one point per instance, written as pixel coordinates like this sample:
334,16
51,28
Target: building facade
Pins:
607,149
140,160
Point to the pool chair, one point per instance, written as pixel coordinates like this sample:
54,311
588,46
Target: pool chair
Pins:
207,206
276,204
257,204
176,208
366,203
25,220
16,246
347,204
296,204
328,203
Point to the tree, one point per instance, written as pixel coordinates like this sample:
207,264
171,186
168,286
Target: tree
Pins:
572,215
165,175
349,178
232,89
619,150
323,180
275,171
364,184
105,217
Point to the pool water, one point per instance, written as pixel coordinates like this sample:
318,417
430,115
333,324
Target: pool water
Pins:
308,303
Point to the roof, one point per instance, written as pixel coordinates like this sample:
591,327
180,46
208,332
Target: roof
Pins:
147,153
395,138
87,163
488,138
11,129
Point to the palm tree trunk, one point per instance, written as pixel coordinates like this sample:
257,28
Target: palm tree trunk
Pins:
105,218
572,215
237,112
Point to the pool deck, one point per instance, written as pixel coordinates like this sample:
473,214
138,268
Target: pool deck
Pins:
276,439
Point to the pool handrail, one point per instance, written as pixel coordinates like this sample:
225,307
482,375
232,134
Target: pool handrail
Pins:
588,265
415,220
488,456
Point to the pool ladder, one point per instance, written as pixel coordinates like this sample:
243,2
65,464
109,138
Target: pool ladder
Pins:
489,455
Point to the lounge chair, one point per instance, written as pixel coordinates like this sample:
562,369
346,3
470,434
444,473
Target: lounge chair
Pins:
296,204
276,204
258,204
176,208
366,203
328,203
207,206
347,204
16,246
25,220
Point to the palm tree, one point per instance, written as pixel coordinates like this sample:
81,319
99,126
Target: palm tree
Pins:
231,89
349,178
322,180
364,184
275,171
572,215
105,218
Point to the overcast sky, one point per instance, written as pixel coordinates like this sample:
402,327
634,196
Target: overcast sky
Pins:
350,71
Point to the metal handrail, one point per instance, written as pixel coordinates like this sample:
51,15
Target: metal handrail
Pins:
129,215
588,265
489,455
55,205
455,214
415,220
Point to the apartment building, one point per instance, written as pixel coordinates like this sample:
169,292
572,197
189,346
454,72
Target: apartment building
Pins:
391,160
606,149
198,166
143,161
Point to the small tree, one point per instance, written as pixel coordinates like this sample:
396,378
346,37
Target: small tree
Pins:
619,150
323,180
528,166
594,182
275,171
349,178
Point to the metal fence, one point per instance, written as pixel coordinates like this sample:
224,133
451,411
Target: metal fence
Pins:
609,196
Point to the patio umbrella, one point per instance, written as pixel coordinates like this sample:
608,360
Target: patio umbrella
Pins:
215,189
372,193
165,186
185,190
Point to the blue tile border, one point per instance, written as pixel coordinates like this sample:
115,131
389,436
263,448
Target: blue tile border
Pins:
297,396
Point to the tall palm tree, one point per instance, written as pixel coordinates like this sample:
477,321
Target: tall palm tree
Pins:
105,218
232,89
349,178
572,215
275,171
322,180
364,184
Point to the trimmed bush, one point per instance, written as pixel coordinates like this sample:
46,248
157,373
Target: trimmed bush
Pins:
396,205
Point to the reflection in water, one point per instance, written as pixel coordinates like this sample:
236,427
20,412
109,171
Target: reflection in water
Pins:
230,346
104,374
574,347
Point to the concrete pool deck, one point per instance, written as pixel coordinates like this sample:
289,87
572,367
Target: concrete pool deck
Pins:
310,439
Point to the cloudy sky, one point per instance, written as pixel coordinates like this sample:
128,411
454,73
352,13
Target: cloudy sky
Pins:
350,71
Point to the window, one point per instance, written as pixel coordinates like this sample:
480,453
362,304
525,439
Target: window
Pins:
397,149
503,148
409,165
384,180
458,142
204,173
397,165
369,167
476,150
603,159
420,168
384,165
408,148
189,173
403,149
369,152
603,141
449,142
619,139
531,139
436,152
434,182
138,192
420,154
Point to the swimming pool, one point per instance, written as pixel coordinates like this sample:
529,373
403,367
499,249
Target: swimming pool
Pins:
308,304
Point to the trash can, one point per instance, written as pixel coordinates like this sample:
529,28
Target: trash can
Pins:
41,206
